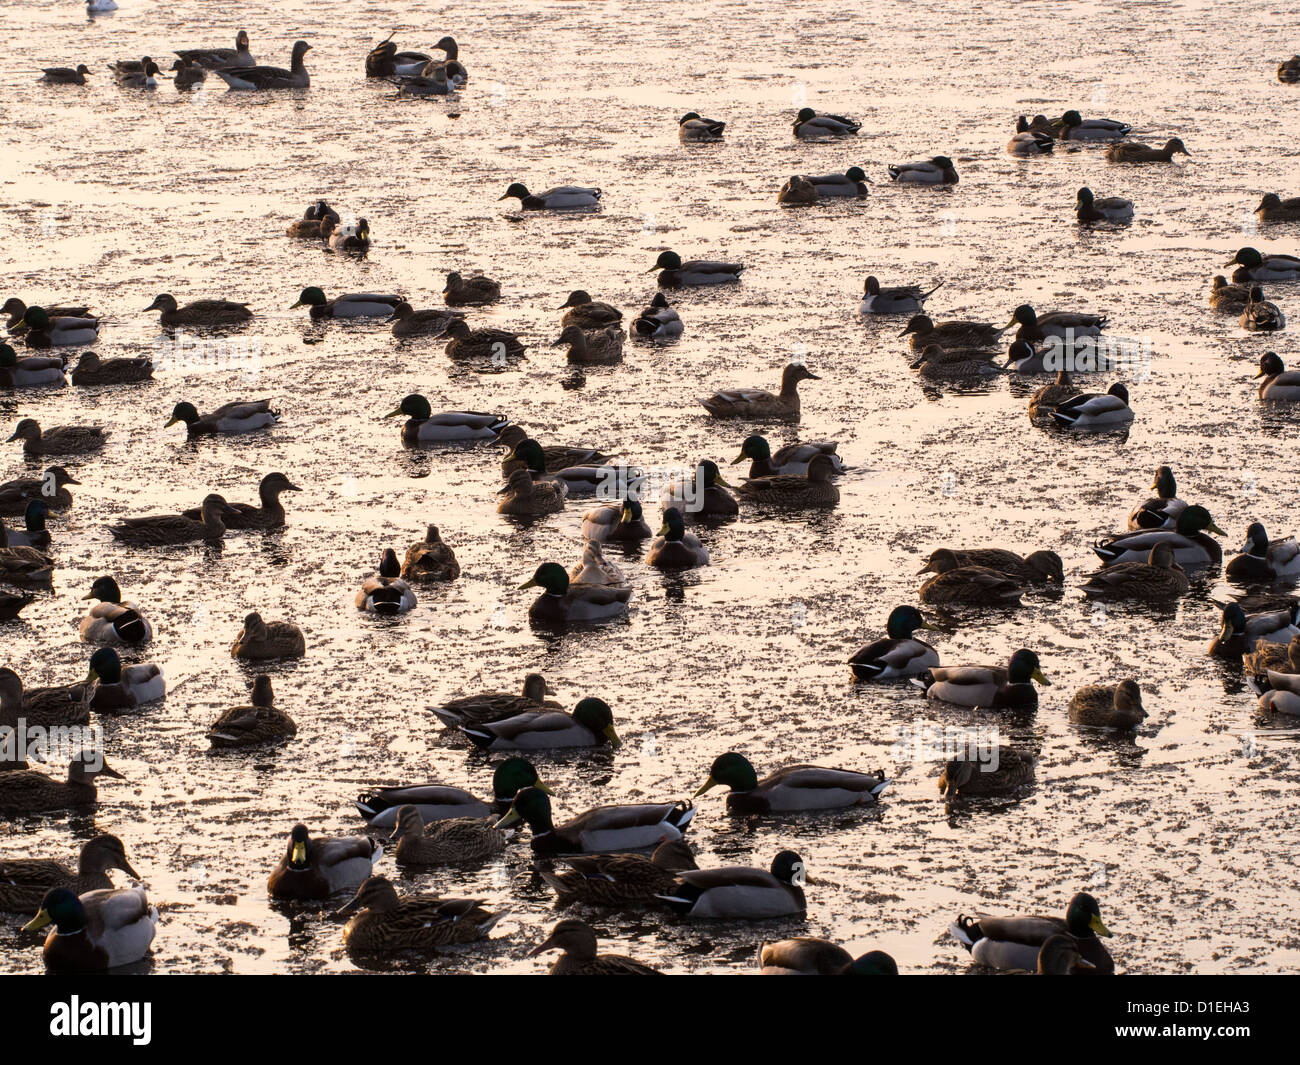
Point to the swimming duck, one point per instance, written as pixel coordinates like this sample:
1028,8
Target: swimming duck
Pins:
559,198
236,417
1273,657
386,923
1118,706
691,127
385,61
813,489
797,191
49,707
12,603
1257,267
50,487
29,372
17,309
1039,124
423,426
852,183
577,942
1279,383
1048,397
1038,567
430,560
259,639
386,593
791,789
604,829
1263,559
472,291
954,364
1242,632
65,75
438,802
742,892
23,565
449,841
1272,208
558,456
1133,152
937,170
250,726
354,237
757,404
353,305
34,533
25,791
1000,771
956,334
1014,942
1229,299
44,330
584,480
989,687
269,515
432,80
112,621
187,75
590,725
594,568
581,310
658,321
1158,577
809,123
1092,410
1074,127
60,440
675,548
561,602
592,347
450,63
806,956
221,58
620,880
900,299
488,343
144,78
408,322
121,67
24,881
960,578
91,370
1029,142
899,654
160,529
524,497
1281,702
702,495
674,273
616,522
1089,209
1162,511
1261,316
250,79
96,931
484,707
113,688
1190,544
318,868
793,459
1289,69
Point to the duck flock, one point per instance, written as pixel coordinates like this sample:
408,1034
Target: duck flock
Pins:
628,515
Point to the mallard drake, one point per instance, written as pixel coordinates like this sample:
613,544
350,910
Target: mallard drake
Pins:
559,198
557,456
600,830
353,237
1030,142
1037,567
813,489
472,291
1035,328
251,79
1280,702
423,426
581,310
1158,577
17,310
30,372
797,191
584,480
1088,209
594,347
1162,511
791,789
809,123
1191,546
1242,632
159,529
561,602
1257,267
852,183
112,688
24,881
1133,152
60,440
91,370
112,621
954,364
674,273
385,61
616,522
220,58
595,568
590,725
1095,411
955,582
269,515
1261,316
34,533
64,704
806,956
1074,127
385,923
259,640
44,330
925,331
675,548
256,724
1279,384
438,802
200,312
691,127
1001,771
484,707
450,841
23,565
756,404
386,593
1014,942
236,417
620,880
1047,398
430,560
318,868
1226,298
579,957
145,78
98,930
65,75
494,344
741,892
187,75
900,299
793,459
937,170
1272,208
15,495
703,495
1118,706
990,687
1262,559
1289,69
899,654
353,305
25,791
522,497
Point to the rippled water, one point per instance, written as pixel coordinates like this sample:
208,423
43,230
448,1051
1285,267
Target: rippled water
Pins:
1185,834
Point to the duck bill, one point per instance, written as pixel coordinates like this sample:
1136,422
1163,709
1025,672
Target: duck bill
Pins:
298,856
542,947
1041,677
37,923
88,595
349,907
739,459
126,868
295,306
1216,530
171,421
709,783
612,737
512,817
543,786
1096,925
91,675
393,413
529,584
720,480
105,771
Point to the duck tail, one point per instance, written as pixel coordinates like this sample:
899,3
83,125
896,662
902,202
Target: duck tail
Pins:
923,681
926,295
893,172
966,931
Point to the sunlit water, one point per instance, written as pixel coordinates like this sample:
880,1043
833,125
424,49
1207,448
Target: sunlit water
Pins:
1186,835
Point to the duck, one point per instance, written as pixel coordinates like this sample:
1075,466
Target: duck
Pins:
1273,657
269,515
949,364
1228,298
1191,545
25,791
557,456
806,956
1262,559
676,273
438,802
584,480
1094,411
23,565
352,305
162,529
16,309
590,725
1289,69
702,495
1242,632
187,75
1257,267
1031,142
619,880
603,829
255,79
1001,770
95,931
1272,208
741,892
791,789
562,197
1158,577
122,67
16,494
423,426
675,548
91,370
386,593
385,61
581,310
144,78
1014,942
253,725
60,440
594,568
450,841
1114,706
430,560
473,291
32,371
621,522
52,707
221,58
793,459
797,191
1279,384
12,604
408,322
989,687
852,183
237,417
259,640
321,867
450,63
65,75
24,881
494,344
592,347
813,489
44,330
1280,702
385,923
658,321
1162,511
432,80
899,653
1037,567
112,621
1133,152
523,497
937,170
34,533
756,404
1261,316
1074,127
956,334
354,237
691,127
955,582
1047,398
112,687
561,602
899,299
809,123
576,940
1088,209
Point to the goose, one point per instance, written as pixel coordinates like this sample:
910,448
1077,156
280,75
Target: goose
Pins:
251,79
